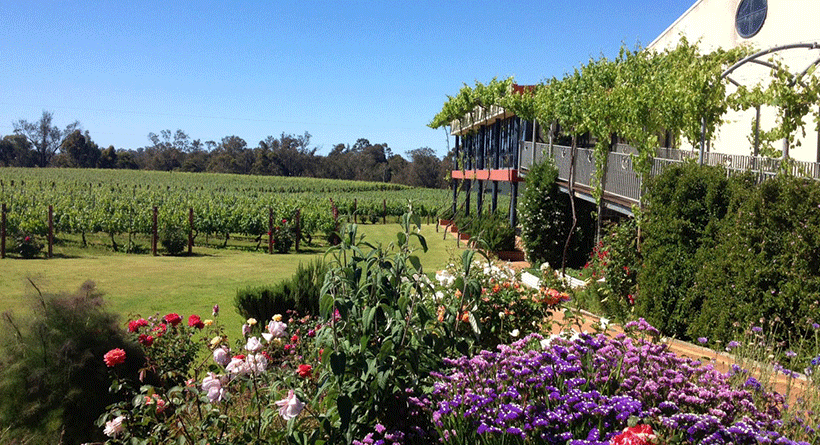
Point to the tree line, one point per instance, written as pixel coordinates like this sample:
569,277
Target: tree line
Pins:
43,144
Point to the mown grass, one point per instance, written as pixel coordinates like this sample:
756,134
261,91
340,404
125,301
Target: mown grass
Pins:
145,285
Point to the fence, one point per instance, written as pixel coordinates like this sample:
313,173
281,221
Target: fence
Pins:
622,182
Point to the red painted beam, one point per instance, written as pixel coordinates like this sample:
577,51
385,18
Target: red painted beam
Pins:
508,175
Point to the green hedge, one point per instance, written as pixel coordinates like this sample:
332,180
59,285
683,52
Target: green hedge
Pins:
724,253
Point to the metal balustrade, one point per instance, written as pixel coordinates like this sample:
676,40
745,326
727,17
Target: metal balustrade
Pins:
622,182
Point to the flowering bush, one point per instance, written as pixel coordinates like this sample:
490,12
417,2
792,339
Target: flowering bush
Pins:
27,246
588,390
283,236
195,385
613,269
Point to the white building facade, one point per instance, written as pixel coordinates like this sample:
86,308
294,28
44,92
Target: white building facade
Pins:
762,24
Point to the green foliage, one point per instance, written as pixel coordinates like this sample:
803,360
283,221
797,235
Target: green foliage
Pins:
493,232
52,374
543,211
174,239
263,302
27,246
382,339
684,207
616,260
306,286
283,236
765,265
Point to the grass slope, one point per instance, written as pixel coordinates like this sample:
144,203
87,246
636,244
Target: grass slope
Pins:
145,285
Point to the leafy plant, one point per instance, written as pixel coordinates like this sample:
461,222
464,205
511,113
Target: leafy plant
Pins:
52,376
263,302
174,239
543,209
27,246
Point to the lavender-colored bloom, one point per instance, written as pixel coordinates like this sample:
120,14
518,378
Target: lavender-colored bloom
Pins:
702,340
757,329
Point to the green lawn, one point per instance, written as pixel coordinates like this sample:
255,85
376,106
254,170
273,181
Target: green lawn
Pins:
145,285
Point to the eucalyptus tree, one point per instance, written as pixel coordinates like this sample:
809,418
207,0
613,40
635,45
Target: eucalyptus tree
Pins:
44,135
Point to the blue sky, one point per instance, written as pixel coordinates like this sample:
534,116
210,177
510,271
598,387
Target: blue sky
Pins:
341,71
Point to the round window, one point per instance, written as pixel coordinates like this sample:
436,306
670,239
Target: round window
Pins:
750,17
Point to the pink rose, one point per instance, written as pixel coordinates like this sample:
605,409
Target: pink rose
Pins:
290,406
212,384
114,427
114,357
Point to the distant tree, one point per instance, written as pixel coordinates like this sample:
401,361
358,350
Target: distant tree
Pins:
44,136
425,170
126,160
167,150
79,150
108,158
287,155
231,156
16,151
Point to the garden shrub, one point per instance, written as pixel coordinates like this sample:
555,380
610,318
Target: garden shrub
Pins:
53,381
27,246
683,210
616,260
306,286
263,302
766,264
493,231
546,218
543,212
174,239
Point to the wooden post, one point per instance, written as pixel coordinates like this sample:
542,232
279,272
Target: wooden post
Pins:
190,230
3,231
384,211
154,233
355,210
270,230
298,223
50,231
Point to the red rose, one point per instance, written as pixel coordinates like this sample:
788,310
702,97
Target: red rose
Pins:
172,318
195,322
134,325
114,357
284,221
294,339
159,329
636,435
305,370
146,340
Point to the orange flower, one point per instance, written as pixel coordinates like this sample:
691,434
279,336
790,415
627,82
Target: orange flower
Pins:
465,317
496,288
440,314
458,292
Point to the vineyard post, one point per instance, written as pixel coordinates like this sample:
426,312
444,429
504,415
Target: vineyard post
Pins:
50,231
190,230
355,210
384,211
270,230
154,233
3,231
298,228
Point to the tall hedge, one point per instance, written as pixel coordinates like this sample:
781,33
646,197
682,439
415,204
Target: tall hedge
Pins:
683,210
766,264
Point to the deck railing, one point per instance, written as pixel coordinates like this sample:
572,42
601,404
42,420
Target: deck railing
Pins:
622,181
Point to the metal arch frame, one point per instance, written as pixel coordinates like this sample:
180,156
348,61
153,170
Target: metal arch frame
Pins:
796,78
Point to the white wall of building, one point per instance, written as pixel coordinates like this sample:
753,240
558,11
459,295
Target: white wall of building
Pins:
712,24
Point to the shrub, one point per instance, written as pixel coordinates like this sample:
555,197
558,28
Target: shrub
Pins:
616,260
174,239
766,264
27,246
683,211
493,231
306,286
263,302
53,379
546,219
283,236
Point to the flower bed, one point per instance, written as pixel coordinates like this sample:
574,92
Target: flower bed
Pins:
374,368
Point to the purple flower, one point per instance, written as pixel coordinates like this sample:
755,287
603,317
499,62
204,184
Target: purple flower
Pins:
702,340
